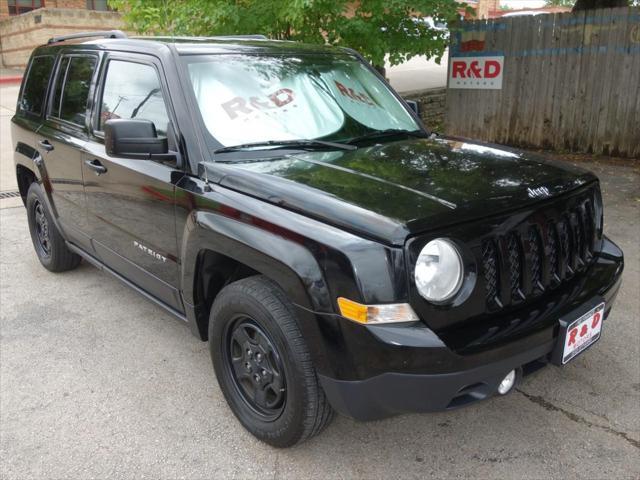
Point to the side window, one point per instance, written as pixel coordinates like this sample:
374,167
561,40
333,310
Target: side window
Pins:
35,87
132,90
62,73
72,89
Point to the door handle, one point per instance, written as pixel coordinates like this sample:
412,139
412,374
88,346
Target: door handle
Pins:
46,145
96,166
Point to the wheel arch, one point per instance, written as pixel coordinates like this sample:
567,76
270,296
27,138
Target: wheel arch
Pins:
25,177
218,250
27,160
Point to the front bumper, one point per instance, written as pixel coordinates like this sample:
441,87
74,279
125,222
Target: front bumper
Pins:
397,369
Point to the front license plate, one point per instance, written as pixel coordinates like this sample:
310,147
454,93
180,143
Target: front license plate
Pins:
582,333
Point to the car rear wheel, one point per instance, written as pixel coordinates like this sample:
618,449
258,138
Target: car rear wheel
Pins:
50,247
263,366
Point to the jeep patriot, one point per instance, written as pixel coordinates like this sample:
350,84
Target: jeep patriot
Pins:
287,205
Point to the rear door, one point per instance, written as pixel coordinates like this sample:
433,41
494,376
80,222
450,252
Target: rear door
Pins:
31,106
130,203
61,138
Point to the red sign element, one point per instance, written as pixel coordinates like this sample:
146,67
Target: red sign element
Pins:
352,94
582,333
472,46
463,69
477,72
584,329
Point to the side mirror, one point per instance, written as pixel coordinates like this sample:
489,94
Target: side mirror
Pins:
130,138
413,105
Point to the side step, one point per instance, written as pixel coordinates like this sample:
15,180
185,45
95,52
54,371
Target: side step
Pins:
101,266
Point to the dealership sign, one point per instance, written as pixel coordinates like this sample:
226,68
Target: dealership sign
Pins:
476,72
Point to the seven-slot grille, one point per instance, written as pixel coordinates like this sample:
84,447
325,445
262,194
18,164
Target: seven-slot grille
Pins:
539,255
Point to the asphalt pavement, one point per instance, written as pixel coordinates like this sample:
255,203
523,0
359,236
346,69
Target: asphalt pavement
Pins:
8,96
95,381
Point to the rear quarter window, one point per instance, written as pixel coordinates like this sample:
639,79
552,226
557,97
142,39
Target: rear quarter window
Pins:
36,83
72,88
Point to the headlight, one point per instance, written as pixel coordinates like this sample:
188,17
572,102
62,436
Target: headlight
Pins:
439,270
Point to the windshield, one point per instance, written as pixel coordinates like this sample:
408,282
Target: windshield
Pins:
248,98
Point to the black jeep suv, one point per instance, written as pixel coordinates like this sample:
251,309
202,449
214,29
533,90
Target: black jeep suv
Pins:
283,201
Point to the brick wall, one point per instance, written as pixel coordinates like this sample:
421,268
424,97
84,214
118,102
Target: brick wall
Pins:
4,5
4,8
486,7
20,34
432,107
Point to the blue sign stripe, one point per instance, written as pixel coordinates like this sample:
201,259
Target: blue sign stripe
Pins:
550,52
497,25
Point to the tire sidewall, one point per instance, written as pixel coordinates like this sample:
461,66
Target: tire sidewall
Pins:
35,194
279,432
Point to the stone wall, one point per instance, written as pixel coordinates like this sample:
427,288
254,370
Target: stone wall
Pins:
432,107
20,34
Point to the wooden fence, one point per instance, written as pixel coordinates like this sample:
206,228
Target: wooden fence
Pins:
570,82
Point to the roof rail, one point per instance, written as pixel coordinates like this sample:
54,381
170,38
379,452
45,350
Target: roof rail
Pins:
102,34
256,36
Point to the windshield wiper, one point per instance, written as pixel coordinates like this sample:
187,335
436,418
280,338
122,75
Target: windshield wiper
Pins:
390,132
287,144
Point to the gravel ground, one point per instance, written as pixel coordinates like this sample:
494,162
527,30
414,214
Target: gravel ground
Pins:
97,382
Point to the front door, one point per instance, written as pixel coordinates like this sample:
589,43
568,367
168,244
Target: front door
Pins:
130,203
60,140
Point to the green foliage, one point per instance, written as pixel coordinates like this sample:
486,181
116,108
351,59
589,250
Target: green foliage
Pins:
375,27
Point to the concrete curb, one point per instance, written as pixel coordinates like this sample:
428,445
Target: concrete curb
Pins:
17,79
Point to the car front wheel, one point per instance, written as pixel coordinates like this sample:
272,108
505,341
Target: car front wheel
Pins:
263,365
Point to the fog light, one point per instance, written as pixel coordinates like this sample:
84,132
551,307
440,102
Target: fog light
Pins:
507,383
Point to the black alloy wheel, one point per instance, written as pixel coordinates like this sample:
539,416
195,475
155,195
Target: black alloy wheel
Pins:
42,229
256,368
263,365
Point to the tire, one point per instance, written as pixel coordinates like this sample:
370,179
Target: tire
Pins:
49,245
287,405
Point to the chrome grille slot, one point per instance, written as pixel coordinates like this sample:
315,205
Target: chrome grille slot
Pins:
592,224
535,254
565,246
491,271
552,253
586,212
515,266
578,240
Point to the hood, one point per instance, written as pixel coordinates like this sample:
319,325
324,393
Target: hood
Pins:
396,189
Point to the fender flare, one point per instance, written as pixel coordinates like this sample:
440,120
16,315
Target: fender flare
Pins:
292,266
289,264
31,159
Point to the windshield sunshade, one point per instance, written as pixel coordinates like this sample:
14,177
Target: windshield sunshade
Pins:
246,98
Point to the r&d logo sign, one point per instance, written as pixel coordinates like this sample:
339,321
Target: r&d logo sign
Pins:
476,72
